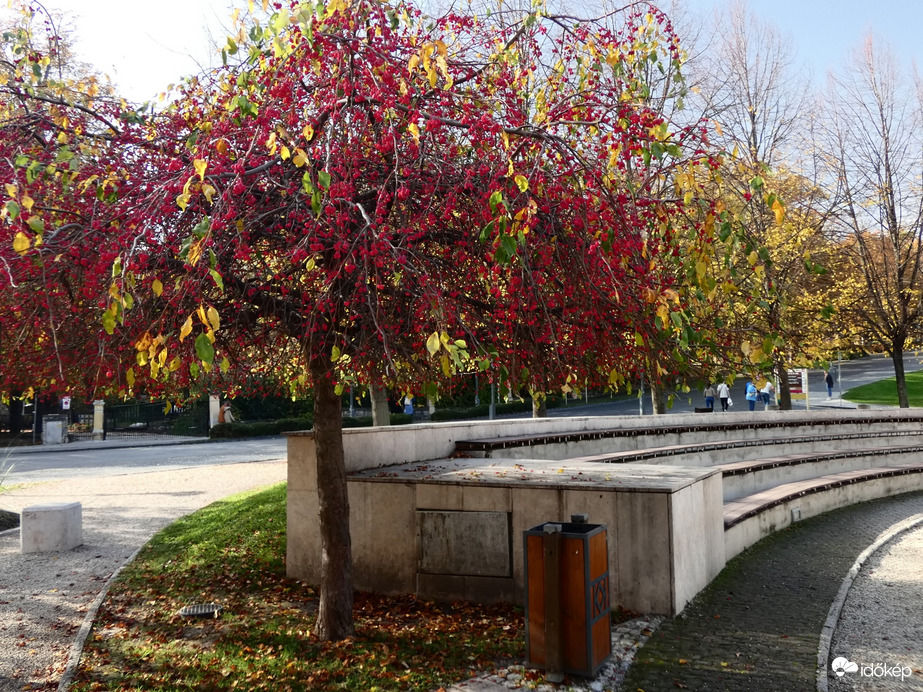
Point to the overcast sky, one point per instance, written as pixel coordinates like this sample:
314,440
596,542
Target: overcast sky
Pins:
146,46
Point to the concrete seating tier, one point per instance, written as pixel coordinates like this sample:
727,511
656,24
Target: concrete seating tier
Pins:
753,517
432,515
744,478
710,453
760,427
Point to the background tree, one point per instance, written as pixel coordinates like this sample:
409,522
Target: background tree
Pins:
754,91
874,146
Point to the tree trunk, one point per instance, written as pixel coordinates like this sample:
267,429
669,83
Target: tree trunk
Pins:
539,405
897,357
16,410
658,399
785,392
381,411
335,614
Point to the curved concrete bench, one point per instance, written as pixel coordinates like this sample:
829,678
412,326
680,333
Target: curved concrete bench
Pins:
760,428
753,517
705,453
743,478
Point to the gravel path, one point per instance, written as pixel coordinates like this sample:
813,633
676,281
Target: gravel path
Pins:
881,625
44,597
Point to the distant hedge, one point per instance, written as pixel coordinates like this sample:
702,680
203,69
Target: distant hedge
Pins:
483,410
270,428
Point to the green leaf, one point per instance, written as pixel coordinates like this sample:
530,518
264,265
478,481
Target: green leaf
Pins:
204,348
496,199
13,210
323,179
217,278
194,370
108,321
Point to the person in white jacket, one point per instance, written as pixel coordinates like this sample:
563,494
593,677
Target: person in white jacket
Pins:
724,395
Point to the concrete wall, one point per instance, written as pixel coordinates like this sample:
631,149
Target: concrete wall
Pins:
665,535
373,447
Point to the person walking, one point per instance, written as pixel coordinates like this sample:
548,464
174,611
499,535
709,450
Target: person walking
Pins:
768,393
710,396
828,380
752,395
724,395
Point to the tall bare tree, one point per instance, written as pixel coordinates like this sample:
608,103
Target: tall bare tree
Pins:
875,148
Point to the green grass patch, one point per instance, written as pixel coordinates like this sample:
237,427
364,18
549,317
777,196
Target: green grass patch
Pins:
884,392
232,553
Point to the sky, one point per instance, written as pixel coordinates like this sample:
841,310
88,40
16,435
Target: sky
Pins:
146,46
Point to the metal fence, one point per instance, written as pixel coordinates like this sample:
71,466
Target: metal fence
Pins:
158,419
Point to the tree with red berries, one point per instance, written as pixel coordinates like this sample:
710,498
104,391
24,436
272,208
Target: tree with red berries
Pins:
367,195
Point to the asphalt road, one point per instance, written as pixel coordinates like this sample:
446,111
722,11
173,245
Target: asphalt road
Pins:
106,459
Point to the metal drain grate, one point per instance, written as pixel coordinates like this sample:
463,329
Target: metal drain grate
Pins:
200,610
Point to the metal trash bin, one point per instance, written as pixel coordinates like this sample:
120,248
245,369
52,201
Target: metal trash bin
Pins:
567,597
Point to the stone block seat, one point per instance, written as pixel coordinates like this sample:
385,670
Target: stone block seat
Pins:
51,527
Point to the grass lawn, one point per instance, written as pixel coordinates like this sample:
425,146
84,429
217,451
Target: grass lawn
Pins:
885,391
232,553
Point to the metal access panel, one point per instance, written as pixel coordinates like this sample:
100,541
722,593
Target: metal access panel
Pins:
473,544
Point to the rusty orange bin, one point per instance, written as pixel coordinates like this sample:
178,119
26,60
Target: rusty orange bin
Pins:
567,597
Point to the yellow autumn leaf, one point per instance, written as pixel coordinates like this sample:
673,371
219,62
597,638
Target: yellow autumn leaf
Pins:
200,165
27,202
183,201
186,329
414,132
130,377
200,311
300,158
213,318
222,146
777,209
12,190
175,364
522,182
21,243
433,343
157,287
209,192
195,254
308,132
144,341
285,153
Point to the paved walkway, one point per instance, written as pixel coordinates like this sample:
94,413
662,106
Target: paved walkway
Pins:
757,626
